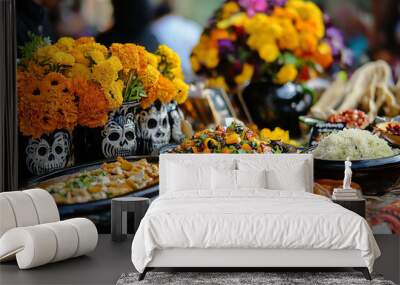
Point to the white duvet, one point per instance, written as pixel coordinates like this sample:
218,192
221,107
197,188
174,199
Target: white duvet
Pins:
250,219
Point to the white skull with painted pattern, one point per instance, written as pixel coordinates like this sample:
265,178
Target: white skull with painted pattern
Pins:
154,127
119,134
47,153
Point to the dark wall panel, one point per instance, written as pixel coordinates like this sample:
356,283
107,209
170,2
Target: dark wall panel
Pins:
8,98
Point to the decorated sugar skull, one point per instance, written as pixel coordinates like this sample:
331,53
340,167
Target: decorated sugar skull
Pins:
119,134
155,130
176,117
48,153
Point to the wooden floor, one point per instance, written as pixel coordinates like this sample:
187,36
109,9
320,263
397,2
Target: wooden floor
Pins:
110,260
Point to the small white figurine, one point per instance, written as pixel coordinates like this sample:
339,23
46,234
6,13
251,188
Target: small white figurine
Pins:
347,174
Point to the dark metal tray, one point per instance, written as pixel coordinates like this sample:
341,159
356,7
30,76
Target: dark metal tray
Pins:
92,206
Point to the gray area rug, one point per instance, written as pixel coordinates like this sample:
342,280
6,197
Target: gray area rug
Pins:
233,278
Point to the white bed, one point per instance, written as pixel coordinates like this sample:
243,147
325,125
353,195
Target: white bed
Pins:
248,227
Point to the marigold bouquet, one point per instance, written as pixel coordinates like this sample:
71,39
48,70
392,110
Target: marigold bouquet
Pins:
80,81
277,40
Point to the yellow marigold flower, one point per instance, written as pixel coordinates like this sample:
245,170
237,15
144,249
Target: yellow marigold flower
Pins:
257,23
309,13
177,73
274,30
182,90
165,90
218,82
87,48
106,72
116,64
277,134
168,56
62,58
65,43
240,19
212,58
229,9
286,74
195,63
269,52
80,57
286,13
256,41
45,53
79,70
150,76
152,59
97,56
246,74
289,40
114,94
290,37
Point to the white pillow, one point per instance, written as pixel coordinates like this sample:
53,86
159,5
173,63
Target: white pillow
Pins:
224,179
251,178
283,173
293,180
184,177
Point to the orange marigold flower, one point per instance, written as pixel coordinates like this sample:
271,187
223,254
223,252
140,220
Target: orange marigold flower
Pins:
165,89
92,103
323,55
85,40
53,83
132,57
151,97
42,112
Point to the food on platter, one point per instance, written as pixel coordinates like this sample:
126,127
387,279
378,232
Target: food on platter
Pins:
354,144
393,128
369,89
351,118
234,139
325,187
110,180
390,131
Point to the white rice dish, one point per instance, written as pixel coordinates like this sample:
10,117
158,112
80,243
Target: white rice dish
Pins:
355,144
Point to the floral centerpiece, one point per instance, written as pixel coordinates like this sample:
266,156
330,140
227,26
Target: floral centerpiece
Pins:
278,40
80,82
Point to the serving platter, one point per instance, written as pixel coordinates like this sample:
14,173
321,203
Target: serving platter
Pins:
95,205
375,176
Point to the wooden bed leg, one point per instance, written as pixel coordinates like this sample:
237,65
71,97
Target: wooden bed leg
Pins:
364,271
143,274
